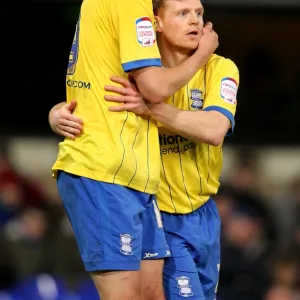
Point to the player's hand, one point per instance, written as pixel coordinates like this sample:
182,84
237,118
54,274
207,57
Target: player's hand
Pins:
128,97
64,123
209,41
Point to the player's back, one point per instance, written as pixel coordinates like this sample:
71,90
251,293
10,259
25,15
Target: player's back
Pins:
114,147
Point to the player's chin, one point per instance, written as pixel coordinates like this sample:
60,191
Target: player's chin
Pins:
191,45
187,45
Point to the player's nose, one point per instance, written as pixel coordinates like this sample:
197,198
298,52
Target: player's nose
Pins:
194,19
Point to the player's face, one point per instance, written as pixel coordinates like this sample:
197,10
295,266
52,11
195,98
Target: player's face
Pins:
180,22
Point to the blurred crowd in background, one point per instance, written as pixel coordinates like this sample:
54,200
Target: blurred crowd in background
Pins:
260,231
260,238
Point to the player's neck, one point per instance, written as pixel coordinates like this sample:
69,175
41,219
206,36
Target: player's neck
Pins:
171,56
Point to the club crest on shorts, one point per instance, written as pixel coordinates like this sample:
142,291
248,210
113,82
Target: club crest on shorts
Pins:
196,96
185,289
126,244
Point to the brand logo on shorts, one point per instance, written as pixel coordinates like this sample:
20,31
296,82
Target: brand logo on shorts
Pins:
185,289
126,244
150,255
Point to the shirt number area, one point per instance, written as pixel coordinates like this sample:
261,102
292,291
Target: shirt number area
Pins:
74,52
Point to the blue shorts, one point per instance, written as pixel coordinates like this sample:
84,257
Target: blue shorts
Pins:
115,226
193,269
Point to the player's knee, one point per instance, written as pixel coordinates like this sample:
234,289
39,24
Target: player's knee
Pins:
152,281
118,285
152,290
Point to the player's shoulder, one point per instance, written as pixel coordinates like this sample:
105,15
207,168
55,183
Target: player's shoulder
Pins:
216,63
135,5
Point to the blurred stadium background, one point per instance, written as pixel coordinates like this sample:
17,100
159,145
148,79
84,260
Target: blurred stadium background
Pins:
259,198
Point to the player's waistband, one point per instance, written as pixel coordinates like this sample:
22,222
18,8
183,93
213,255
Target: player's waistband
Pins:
209,203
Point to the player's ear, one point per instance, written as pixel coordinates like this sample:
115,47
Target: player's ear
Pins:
158,24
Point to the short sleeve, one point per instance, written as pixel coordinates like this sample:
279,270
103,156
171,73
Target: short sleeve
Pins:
133,22
222,81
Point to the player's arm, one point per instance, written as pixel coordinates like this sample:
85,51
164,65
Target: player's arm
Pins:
158,84
140,55
200,126
210,125
63,122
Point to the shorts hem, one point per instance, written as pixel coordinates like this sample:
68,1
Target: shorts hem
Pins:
112,265
160,254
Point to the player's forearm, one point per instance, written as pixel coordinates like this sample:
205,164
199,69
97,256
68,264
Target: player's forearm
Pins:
199,126
158,84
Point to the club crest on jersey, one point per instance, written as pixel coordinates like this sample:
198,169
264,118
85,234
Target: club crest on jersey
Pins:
145,32
196,96
74,52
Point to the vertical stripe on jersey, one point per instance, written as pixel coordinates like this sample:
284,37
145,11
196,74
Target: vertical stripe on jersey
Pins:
122,146
195,154
204,82
163,167
208,160
147,138
170,192
179,155
196,163
136,134
187,94
217,163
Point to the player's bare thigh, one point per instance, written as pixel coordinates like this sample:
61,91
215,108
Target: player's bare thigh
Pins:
146,284
152,279
118,285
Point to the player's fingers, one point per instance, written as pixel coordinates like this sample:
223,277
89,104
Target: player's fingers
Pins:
70,130
125,83
125,107
69,123
121,99
117,108
74,119
68,118
71,105
68,135
116,89
208,26
113,98
121,91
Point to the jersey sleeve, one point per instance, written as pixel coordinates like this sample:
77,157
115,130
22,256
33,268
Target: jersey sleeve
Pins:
133,22
222,81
